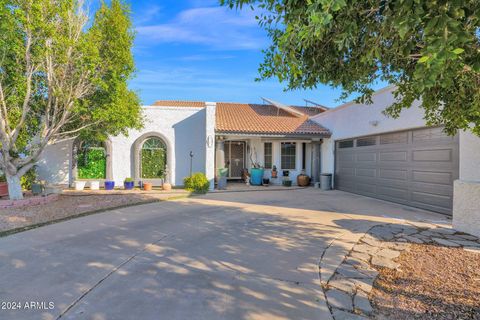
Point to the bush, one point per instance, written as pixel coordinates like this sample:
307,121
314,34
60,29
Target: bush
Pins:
198,182
28,179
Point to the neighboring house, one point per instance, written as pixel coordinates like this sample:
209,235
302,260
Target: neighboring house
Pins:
399,160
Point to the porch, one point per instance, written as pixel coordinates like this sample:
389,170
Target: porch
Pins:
290,155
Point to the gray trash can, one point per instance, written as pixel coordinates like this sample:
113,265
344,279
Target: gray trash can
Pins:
326,181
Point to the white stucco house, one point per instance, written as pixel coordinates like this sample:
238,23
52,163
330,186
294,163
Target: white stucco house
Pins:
399,160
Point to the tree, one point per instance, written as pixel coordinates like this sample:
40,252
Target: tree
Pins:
429,50
63,75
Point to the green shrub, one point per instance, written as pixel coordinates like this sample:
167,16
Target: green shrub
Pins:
28,179
92,164
198,182
128,180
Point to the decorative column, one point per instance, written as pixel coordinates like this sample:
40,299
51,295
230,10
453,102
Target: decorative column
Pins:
210,111
219,153
316,161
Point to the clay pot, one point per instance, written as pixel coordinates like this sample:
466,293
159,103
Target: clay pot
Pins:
303,180
3,189
147,186
167,186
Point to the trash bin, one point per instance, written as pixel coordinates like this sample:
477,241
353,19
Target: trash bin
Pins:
326,181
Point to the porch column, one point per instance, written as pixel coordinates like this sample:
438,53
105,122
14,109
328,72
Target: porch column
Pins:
210,110
219,154
316,161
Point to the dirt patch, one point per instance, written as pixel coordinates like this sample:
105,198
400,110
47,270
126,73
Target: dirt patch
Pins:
73,205
432,283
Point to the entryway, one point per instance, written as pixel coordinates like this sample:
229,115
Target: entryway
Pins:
235,152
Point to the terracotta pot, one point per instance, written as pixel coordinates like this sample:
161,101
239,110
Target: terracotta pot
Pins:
147,186
3,189
303,180
167,186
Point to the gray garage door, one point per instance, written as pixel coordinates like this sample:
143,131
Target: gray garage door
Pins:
415,167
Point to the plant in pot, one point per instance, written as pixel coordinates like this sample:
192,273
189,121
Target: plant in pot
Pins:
109,185
303,180
147,186
274,173
286,179
128,183
80,185
256,173
222,174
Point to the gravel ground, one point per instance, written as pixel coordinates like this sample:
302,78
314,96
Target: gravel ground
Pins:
433,282
74,204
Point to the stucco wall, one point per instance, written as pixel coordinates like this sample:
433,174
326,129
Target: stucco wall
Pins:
182,128
54,163
184,131
469,157
466,207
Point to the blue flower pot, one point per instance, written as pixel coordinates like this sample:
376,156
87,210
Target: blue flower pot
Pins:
256,176
109,185
129,185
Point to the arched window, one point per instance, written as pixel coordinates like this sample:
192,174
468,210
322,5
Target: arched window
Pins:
91,159
153,159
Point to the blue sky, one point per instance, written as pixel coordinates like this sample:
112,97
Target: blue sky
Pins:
197,50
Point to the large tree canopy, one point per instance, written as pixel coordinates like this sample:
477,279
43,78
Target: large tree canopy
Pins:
63,74
429,49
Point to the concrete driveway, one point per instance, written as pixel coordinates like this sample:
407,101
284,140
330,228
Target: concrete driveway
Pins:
238,255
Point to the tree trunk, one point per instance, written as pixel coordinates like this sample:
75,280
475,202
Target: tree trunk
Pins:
14,187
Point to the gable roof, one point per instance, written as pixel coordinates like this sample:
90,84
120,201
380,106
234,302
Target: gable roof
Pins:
244,118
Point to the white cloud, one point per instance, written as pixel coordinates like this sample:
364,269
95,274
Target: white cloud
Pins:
216,27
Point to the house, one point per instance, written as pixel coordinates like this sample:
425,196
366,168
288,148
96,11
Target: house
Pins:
399,160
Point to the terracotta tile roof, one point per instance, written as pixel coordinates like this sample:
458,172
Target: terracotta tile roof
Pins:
258,118
264,119
174,103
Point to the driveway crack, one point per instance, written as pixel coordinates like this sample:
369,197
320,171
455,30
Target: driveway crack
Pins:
118,267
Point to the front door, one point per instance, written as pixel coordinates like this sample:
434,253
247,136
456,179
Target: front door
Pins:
235,158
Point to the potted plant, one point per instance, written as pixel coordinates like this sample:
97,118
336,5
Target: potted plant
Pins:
95,185
286,179
303,180
109,185
256,173
128,183
80,185
3,186
222,174
147,186
266,182
274,173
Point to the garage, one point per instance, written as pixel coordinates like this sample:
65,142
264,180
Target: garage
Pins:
414,167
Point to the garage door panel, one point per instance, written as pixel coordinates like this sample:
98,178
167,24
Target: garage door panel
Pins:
366,188
366,172
415,167
432,177
394,174
443,190
393,156
367,157
441,155
394,193
433,199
